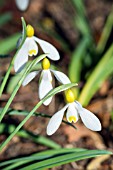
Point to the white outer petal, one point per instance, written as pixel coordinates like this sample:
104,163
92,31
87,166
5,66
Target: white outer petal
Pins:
72,111
48,48
78,106
45,86
49,76
22,57
90,120
22,4
30,77
32,46
61,77
55,121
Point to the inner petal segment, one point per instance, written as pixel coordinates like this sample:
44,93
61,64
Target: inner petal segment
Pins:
72,119
32,52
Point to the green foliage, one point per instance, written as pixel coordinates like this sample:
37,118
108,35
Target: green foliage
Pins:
4,18
76,63
89,61
95,73
25,113
9,128
51,158
27,70
5,49
103,69
50,94
9,44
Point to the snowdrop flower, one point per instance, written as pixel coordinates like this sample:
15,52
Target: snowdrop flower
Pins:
30,48
74,110
45,84
22,4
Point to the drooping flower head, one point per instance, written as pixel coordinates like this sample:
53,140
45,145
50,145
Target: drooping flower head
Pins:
74,111
30,48
45,84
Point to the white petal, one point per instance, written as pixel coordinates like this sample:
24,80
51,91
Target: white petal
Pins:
72,114
32,47
55,121
21,58
78,106
49,76
48,48
45,86
22,4
90,120
30,77
61,77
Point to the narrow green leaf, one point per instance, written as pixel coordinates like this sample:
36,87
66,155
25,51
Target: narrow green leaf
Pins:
25,113
5,128
14,80
59,89
9,44
4,18
82,25
39,156
27,70
76,63
105,33
76,60
50,94
81,21
79,6
101,72
61,160
5,46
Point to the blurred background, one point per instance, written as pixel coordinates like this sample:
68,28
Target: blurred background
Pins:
82,31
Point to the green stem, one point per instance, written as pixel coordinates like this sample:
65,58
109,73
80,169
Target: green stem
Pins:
12,97
12,62
25,113
19,84
7,75
20,125
50,94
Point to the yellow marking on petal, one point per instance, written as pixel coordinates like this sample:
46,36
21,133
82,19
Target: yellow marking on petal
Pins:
30,31
45,64
72,118
32,52
69,96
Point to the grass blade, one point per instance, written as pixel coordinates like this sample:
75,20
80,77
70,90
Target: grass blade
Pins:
38,156
64,159
103,69
50,94
105,33
5,128
4,18
9,44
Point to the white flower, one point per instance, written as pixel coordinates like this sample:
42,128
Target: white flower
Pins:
74,110
45,84
22,4
30,48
